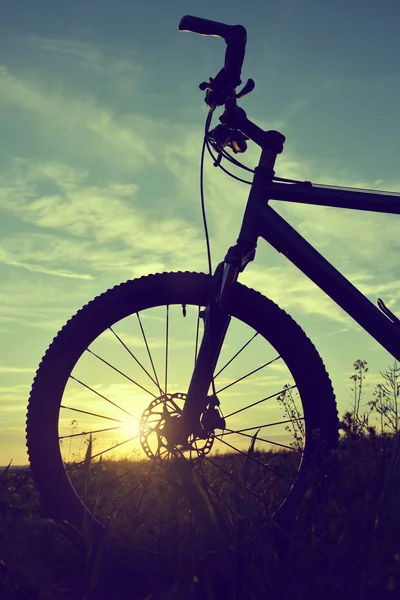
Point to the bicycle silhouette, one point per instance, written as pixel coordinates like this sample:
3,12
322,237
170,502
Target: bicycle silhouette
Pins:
224,406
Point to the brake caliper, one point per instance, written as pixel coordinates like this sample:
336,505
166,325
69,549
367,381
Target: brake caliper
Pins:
211,418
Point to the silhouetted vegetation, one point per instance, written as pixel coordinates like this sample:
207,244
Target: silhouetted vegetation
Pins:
345,543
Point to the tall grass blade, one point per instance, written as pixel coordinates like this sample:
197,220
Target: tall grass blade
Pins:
3,474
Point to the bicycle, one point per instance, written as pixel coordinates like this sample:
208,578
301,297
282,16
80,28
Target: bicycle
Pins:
192,416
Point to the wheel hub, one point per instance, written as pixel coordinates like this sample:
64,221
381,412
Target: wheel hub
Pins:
161,433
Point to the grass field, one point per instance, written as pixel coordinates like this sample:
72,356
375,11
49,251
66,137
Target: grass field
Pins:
346,541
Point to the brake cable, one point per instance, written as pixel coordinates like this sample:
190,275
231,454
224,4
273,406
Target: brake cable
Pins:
235,162
203,206
217,163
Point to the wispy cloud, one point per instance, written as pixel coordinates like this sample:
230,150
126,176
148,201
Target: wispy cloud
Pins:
91,56
12,369
86,127
104,228
287,114
46,303
294,292
362,236
10,260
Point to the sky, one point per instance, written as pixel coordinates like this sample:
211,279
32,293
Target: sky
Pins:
101,121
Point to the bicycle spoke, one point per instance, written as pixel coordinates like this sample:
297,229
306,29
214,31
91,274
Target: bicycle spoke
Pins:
85,412
236,481
135,468
270,424
104,397
103,452
247,435
257,462
248,375
115,510
62,437
174,405
203,478
258,402
166,350
132,490
121,373
133,356
237,354
149,353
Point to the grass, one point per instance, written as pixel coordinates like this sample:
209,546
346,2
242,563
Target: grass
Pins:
116,491
346,542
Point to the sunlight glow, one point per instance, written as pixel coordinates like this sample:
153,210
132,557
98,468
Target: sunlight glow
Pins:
129,428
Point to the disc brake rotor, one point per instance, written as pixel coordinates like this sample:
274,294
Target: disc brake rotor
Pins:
160,432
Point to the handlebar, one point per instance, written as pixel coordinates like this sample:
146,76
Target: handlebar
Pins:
221,90
235,37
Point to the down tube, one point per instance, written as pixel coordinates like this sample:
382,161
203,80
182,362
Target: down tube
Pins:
275,230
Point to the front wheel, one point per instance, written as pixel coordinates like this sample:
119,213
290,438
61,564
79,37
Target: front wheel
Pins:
111,386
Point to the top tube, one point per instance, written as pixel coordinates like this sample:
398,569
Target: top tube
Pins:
305,192
351,189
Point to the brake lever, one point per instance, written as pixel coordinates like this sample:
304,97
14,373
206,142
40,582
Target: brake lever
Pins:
219,91
249,87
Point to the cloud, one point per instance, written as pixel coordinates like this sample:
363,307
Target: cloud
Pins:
88,56
11,369
363,246
293,291
102,228
12,409
353,236
46,303
9,259
81,52
82,125
286,115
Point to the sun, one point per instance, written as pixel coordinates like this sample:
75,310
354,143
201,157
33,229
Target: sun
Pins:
129,428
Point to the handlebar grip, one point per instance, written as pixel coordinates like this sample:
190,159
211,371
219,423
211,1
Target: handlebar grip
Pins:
207,27
235,37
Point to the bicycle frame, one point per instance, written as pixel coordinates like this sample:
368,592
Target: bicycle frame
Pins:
261,220
284,238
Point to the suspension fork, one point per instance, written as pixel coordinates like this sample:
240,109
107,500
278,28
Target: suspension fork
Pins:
216,325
